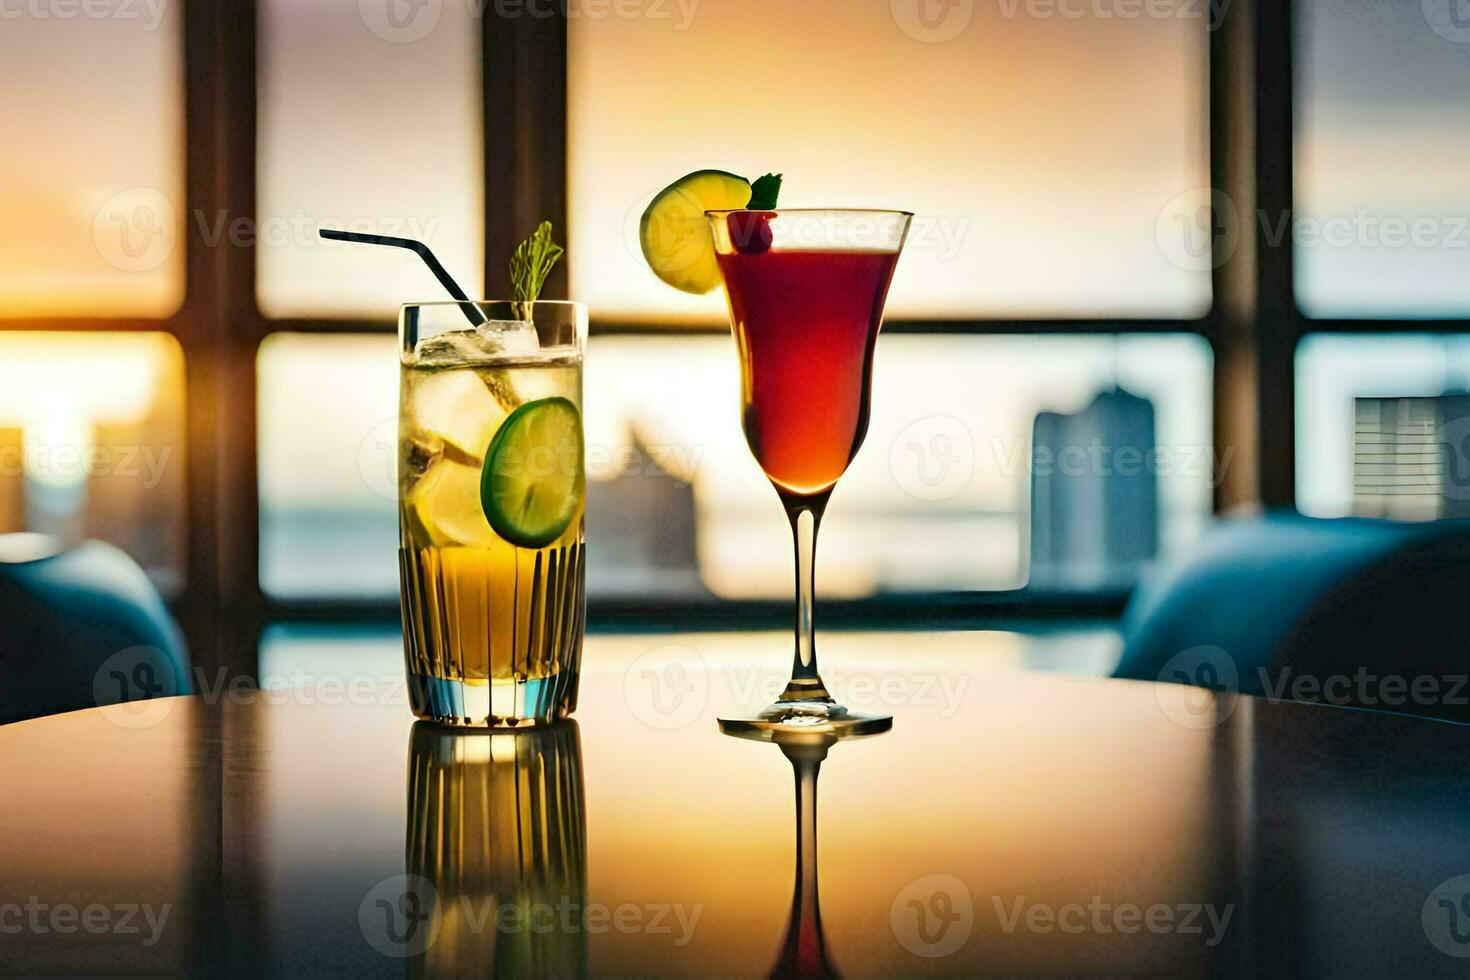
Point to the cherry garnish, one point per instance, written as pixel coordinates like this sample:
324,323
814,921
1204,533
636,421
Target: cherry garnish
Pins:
750,231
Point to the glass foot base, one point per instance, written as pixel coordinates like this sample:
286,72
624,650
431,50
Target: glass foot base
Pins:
785,718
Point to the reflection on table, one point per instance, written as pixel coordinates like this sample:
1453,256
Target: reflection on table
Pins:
803,952
497,827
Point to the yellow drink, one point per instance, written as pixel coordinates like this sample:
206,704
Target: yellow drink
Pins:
492,617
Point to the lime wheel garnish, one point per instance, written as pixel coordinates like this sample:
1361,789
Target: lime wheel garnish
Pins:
533,479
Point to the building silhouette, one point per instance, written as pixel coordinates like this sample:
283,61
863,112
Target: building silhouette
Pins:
1094,494
1411,457
641,531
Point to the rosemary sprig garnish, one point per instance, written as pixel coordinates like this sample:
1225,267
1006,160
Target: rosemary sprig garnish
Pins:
531,263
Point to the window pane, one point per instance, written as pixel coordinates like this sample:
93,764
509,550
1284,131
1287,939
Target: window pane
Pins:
92,442
943,495
92,154
1380,420
1040,152
327,413
373,127
1383,130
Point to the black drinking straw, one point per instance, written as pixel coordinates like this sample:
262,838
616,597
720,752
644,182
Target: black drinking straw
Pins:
471,311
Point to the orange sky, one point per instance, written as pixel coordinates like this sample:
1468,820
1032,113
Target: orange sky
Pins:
1038,153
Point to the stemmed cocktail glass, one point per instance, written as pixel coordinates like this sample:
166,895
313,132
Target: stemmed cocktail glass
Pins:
806,290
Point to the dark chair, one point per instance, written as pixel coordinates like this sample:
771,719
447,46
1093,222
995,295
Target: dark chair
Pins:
81,628
1356,612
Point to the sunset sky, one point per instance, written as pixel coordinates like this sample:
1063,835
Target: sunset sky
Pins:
1037,153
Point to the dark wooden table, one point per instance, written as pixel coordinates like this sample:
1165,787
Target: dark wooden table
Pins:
1011,823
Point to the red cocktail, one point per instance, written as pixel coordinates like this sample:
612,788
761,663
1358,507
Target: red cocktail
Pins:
806,323
806,292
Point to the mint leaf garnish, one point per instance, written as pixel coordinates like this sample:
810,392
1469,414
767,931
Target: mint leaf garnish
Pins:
763,193
531,263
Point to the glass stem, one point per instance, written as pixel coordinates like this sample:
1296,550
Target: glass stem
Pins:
804,954
805,514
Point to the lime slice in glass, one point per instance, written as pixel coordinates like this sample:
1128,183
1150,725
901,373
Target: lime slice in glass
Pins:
533,480
675,235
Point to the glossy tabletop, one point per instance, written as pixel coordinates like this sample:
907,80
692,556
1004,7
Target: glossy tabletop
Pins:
1011,823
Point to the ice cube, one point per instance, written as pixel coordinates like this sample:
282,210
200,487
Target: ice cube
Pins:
516,338
454,348
458,408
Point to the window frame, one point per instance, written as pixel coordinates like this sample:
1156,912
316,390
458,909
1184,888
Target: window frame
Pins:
1253,324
